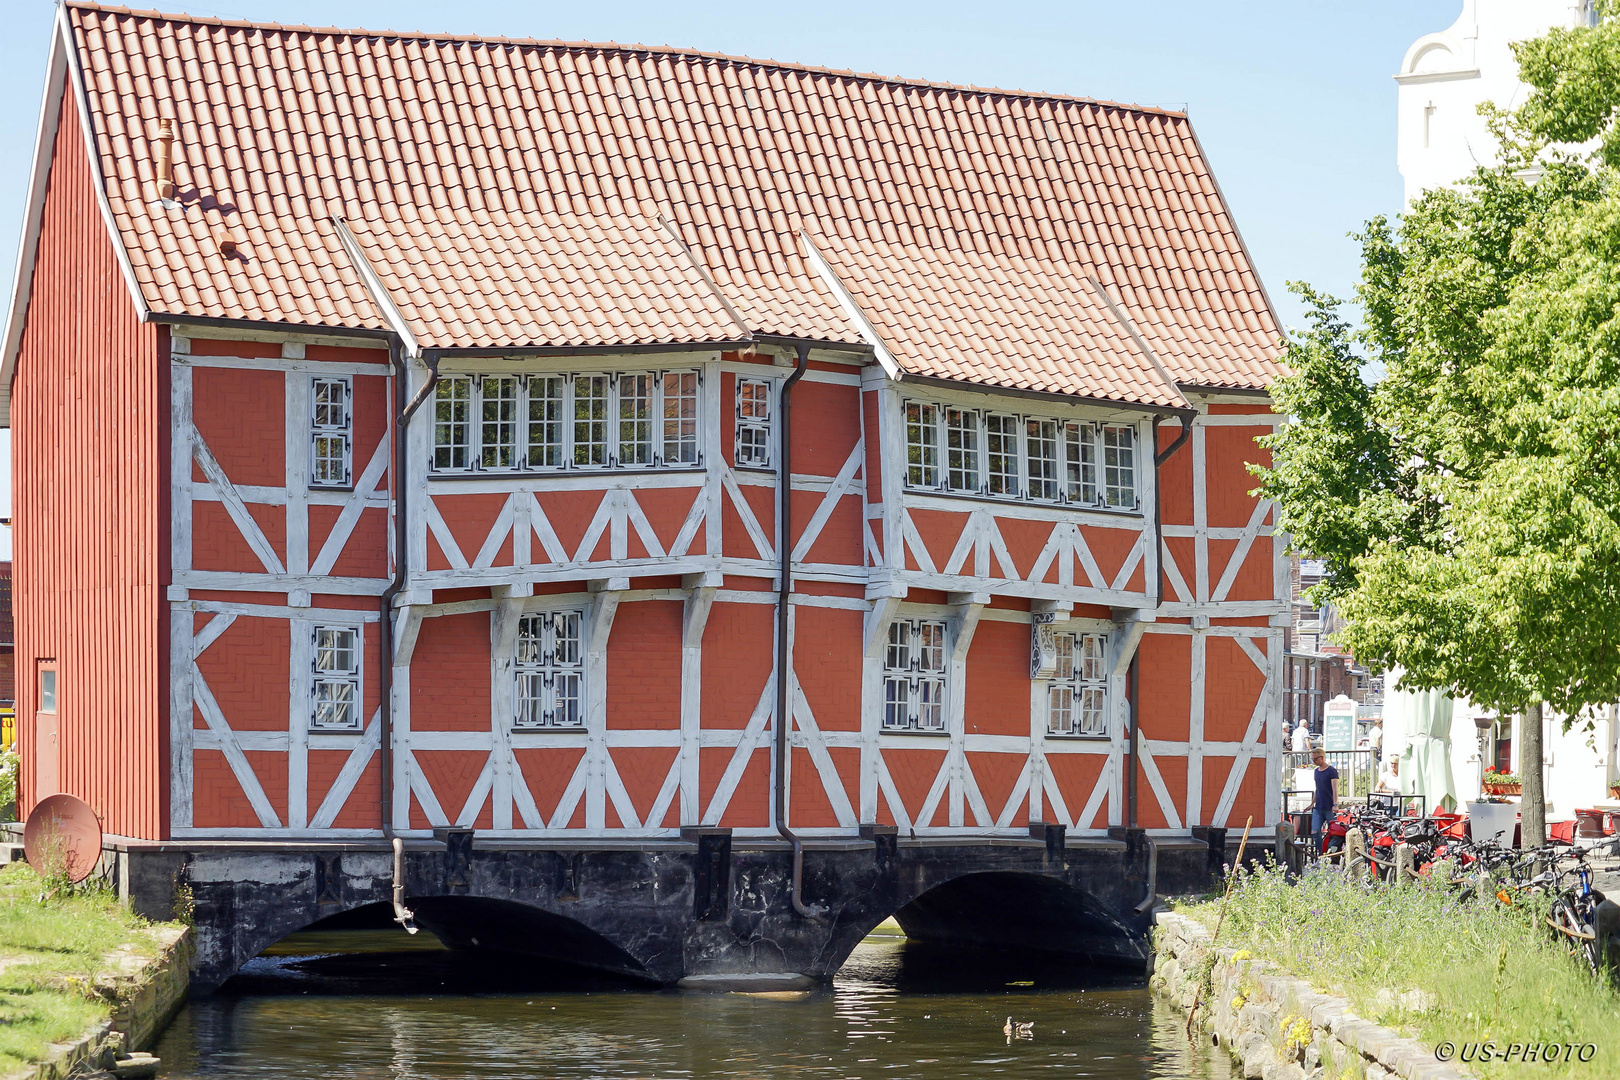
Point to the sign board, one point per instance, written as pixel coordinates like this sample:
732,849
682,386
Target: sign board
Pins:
1339,725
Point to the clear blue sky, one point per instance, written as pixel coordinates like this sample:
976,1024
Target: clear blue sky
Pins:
1292,99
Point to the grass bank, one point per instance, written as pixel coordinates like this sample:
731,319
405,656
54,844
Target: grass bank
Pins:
1487,972
52,953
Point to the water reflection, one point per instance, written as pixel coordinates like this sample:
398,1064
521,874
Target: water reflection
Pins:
331,1005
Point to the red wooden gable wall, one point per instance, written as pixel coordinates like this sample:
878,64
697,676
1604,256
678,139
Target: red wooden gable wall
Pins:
90,515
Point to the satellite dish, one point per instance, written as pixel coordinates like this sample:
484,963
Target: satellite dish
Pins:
63,835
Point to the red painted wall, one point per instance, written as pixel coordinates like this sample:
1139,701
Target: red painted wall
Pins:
89,447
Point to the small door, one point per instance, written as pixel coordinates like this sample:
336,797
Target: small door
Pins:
47,742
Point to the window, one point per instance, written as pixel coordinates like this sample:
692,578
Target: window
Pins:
1119,466
680,418
1041,444
914,676
337,679
452,425
591,420
550,670
1021,457
962,449
330,424
546,422
499,438
47,686
635,419
753,447
1077,698
922,445
1001,455
506,423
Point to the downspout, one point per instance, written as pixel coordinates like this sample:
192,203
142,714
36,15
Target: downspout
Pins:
396,356
784,593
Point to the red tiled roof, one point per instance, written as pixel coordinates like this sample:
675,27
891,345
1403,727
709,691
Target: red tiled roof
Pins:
506,193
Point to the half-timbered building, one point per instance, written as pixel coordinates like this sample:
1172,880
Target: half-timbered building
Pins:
573,441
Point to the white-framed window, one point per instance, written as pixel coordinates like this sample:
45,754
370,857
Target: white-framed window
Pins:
962,450
922,444
337,679
452,423
331,426
550,670
680,418
753,443
1077,696
511,423
1006,456
914,675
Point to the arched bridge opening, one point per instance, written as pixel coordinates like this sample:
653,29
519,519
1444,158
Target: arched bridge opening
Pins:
465,944
1027,912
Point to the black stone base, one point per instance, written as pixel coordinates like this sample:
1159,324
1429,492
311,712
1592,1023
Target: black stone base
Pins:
706,908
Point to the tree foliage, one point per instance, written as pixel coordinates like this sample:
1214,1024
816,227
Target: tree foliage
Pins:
1467,505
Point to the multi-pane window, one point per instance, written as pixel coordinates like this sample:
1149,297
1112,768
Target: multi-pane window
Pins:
337,679
330,430
1001,454
922,444
753,423
498,439
452,422
962,450
504,423
635,420
914,675
550,670
1041,449
1021,457
1077,697
680,418
1119,465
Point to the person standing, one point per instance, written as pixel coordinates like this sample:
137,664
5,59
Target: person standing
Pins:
1375,742
1326,799
1302,738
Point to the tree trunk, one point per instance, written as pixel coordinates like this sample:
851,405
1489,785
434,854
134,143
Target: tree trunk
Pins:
1533,803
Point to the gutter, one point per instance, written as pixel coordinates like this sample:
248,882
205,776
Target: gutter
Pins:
784,594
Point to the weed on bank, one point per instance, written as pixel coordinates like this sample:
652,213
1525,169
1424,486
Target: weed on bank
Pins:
54,942
1488,972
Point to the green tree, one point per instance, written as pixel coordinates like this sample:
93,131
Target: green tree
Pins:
1467,505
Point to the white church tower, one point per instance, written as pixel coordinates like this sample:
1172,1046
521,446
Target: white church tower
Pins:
1445,76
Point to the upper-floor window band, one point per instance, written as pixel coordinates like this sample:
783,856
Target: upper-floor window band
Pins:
1008,456
509,423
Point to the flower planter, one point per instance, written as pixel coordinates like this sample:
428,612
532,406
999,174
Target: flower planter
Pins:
1505,789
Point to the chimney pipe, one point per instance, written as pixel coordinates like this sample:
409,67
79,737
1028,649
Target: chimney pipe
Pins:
165,160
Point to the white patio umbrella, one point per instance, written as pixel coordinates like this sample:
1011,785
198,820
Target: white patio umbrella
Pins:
1426,761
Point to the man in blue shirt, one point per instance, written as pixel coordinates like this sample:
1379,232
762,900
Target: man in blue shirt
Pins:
1326,799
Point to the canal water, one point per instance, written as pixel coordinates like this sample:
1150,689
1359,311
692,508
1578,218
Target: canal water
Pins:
375,1003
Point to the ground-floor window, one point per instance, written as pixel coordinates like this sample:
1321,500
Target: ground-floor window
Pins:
550,670
1077,697
914,674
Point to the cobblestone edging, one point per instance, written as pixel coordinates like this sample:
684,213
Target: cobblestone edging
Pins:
1274,1025
144,993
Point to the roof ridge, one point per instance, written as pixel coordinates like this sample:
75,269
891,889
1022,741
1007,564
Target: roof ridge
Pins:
613,46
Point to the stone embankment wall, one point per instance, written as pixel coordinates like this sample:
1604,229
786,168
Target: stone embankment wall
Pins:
144,993
1274,1025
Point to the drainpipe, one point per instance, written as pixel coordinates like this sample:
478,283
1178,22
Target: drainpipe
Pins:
1158,500
784,593
396,356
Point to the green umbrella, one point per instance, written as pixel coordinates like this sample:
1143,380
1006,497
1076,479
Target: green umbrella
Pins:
1426,760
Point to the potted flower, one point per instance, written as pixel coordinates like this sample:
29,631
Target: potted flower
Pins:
1614,791
1498,782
